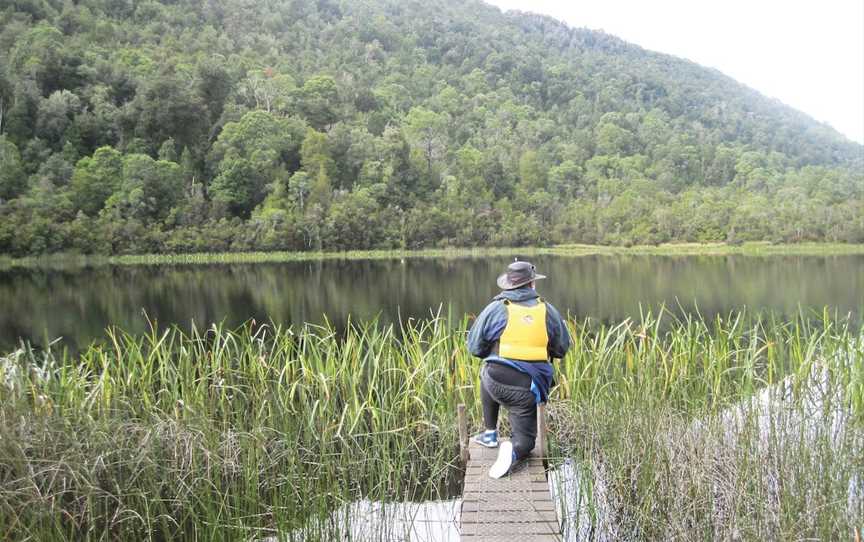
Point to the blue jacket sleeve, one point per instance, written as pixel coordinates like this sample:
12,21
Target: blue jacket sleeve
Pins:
559,336
486,330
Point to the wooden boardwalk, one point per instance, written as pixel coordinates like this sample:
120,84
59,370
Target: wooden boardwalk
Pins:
518,506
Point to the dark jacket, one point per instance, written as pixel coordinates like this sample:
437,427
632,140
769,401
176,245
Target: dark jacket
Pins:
490,324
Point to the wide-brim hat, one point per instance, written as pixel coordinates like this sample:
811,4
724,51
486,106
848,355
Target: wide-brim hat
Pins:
518,274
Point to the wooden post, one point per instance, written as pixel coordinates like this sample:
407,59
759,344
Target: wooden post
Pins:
463,433
541,430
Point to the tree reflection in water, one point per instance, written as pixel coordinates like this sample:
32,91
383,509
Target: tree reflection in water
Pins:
78,304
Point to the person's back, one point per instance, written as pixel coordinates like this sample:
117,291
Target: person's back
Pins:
517,335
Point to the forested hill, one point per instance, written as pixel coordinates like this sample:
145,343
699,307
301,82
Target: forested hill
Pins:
180,126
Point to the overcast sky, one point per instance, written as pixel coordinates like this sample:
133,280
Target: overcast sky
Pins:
808,54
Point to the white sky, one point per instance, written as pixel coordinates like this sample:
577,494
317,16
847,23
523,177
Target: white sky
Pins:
807,54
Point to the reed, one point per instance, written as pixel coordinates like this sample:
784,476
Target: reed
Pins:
266,430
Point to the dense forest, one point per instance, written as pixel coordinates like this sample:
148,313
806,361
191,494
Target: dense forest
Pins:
228,125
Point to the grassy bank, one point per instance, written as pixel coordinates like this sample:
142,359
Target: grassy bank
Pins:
237,434
672,249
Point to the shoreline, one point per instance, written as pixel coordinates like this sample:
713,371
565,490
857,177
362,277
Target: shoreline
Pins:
203,258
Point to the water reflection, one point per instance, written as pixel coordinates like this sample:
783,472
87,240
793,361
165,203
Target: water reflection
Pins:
78,304
431,521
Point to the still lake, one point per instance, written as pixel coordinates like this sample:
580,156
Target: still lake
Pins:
77,304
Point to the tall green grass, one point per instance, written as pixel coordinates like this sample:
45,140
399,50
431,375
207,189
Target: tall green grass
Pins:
265,430
733,429
222,434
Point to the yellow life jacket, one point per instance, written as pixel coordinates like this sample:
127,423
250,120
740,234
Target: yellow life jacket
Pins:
525,337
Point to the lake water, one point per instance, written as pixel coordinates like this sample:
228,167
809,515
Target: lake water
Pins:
78,304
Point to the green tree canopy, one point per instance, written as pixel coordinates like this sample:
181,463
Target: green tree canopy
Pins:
319,101
95,178
12,177
242,125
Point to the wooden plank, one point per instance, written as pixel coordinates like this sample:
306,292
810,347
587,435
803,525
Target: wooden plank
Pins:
510,516
463,433
505,538
478,451
482,453
526,487
510,503
484,466
475,475
510,528
508,482
540,448
533,465
509,498
472,493
505,506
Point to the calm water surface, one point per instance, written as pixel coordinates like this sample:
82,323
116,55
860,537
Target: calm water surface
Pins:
79,304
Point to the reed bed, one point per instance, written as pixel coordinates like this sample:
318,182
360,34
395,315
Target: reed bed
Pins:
265,431
734,429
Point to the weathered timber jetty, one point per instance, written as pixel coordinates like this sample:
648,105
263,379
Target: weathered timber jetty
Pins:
518,506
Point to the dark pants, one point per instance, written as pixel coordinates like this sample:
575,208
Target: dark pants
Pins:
502,385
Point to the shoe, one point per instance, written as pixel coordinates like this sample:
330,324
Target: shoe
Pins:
487,438
506,458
